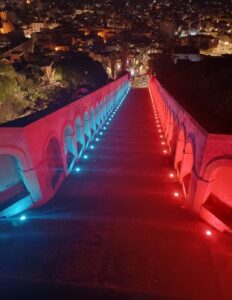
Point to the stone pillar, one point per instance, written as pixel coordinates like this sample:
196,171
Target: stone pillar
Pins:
199,194
185,165
32,184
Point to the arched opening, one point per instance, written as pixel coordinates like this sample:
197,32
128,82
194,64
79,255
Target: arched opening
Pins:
101,112
69,147
219,194
170,129
167,123
186,166
12,182
165,115
54,161
173,140
98,118
92,122
107,109
80,138
179,150
87,131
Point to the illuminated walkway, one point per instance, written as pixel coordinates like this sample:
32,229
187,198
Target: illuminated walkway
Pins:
116,224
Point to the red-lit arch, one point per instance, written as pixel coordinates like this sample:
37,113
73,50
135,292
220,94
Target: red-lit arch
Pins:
218,198
54,161
170,128
187,165
92,121
87,130
69,146
80,138
180,145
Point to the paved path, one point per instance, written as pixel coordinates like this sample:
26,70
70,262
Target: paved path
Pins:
116,228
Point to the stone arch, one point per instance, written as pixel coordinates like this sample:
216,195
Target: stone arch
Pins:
102,118
92,121
218,196
170,128
175,126
98,117
216,163
167,123
104,114
69,147
13,183
18,153
163,112
80,138
187,165
87,130
180,145
54,161
107,105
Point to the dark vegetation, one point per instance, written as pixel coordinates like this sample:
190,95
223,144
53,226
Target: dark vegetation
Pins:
203,88
25,88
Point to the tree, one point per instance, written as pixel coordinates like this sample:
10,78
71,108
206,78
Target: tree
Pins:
12,101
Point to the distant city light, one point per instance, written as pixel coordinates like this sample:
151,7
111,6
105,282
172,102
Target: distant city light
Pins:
78,169
97,139
85,156
92,147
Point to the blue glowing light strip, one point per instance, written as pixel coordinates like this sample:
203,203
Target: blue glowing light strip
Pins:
106,121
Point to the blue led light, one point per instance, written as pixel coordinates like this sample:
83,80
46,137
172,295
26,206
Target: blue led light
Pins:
97,139
85,156
104,127
92,147
22,218
78,169
101,133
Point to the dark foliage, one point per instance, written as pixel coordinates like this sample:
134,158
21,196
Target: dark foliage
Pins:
203,88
